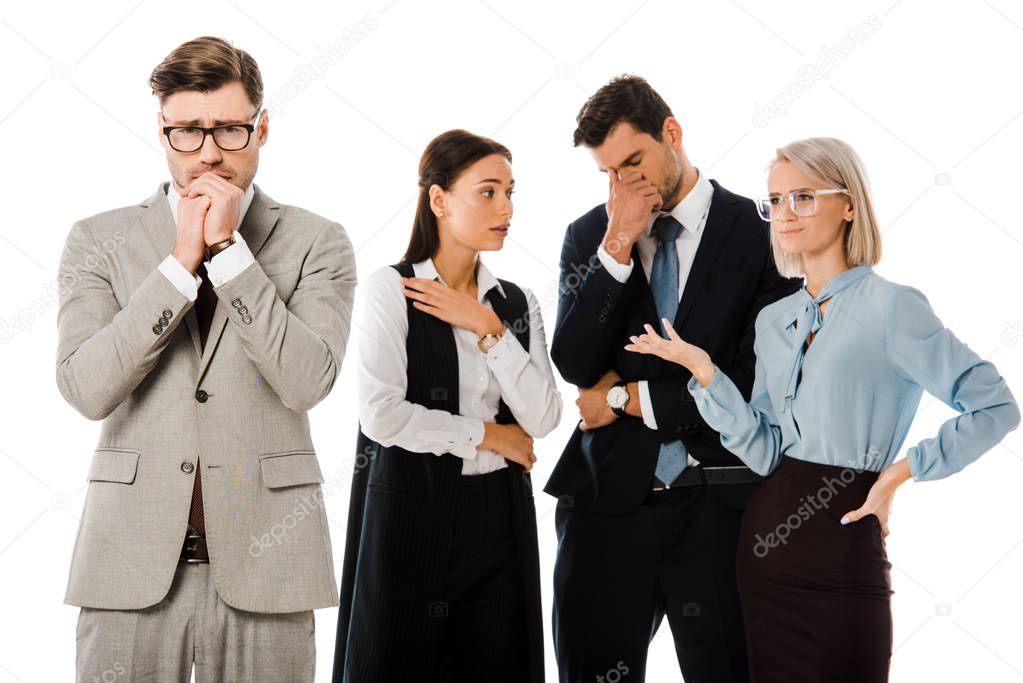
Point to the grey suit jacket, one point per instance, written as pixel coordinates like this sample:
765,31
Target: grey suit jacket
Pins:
129,354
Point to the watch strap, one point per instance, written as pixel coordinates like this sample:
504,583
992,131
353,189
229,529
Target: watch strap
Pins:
212,250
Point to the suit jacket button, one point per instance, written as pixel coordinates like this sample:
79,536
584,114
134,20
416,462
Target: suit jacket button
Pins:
244,311
236,302
157,329
187,467
164,321
247,319
167,313
201,396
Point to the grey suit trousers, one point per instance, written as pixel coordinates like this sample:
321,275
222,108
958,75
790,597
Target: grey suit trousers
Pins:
192,624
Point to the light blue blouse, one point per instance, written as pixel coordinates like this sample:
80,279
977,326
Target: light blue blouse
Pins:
850,399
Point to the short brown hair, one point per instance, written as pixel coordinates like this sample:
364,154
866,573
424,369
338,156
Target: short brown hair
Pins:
625,98
205,64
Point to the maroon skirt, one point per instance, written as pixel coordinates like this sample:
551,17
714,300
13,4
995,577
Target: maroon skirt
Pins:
816,595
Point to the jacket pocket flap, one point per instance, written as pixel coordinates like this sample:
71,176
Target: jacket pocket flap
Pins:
290,468
114,464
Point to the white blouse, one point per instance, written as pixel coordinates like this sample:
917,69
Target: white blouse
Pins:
524,380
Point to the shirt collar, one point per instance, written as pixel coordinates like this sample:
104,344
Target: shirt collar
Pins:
485,280
804,302
173,198
691,211
840,282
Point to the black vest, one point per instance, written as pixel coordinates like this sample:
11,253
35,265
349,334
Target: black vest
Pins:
401,512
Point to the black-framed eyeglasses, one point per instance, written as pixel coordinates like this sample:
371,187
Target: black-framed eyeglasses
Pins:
230,137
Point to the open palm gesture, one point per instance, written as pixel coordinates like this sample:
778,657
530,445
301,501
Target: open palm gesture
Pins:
674,349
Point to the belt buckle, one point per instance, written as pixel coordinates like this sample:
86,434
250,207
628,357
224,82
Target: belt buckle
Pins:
190,544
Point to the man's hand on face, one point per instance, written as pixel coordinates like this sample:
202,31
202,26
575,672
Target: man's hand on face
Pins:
225,205
631,200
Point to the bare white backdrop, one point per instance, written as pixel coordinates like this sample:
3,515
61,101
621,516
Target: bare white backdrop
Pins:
928,93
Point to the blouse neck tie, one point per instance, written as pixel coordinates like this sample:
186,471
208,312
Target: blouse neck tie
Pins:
808,320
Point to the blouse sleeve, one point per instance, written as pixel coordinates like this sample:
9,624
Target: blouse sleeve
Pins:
526,379
384,414
925,352
750,430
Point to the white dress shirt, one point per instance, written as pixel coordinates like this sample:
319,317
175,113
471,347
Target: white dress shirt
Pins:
692,213
524,380
222,267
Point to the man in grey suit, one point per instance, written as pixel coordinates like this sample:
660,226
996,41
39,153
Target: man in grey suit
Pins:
200,326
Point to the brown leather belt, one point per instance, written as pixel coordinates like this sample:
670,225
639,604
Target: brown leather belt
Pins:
194,551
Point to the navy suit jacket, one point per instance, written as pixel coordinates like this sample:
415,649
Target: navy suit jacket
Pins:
733,276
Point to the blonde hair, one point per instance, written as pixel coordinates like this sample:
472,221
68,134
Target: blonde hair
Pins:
835,164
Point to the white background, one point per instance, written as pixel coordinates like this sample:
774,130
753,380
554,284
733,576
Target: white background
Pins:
928,93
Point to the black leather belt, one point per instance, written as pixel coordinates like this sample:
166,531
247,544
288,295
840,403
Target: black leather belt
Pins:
193,551
702,476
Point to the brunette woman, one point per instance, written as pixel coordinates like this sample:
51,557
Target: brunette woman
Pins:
441,573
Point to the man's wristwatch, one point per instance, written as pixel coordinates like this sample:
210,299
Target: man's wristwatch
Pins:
212,250
618,398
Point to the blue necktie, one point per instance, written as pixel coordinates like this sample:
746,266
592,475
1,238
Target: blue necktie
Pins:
664,284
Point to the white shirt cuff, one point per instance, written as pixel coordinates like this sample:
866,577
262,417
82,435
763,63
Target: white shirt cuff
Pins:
619,271
646,406
185,282
462,443
230,262
507,353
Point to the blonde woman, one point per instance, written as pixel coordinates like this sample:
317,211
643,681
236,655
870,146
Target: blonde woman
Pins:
841,366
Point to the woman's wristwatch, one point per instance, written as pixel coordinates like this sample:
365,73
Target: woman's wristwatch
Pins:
488,341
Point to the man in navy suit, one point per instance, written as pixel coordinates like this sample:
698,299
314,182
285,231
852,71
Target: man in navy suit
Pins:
649,502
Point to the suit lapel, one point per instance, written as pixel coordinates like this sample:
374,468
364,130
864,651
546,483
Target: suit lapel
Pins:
715,233
255,228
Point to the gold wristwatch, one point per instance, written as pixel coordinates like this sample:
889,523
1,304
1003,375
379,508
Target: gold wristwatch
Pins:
488,341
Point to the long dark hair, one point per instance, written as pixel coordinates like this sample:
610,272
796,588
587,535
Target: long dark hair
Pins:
442,162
